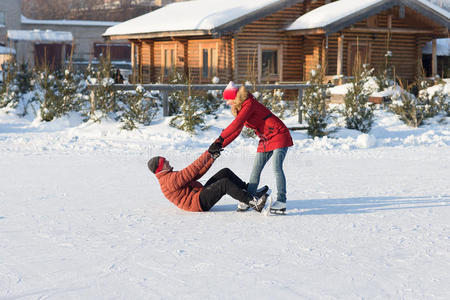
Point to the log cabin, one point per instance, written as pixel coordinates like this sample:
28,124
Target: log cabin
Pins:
267,41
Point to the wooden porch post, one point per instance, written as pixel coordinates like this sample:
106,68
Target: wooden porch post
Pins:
434,58
340,57
63,55
324,54
133,64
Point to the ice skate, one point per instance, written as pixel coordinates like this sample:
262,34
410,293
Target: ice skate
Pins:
242,206
278,208
259,203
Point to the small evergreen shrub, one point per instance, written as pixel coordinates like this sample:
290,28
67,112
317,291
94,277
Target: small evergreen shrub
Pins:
105,95
24,78
210,104
274,102
414,110
48,95
358,111
138,107
10,91
191,116
314,105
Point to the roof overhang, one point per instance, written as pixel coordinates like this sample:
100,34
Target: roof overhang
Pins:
40,36
156,35
348,21
234,25
228,28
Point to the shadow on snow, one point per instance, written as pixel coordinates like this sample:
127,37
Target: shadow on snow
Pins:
360,205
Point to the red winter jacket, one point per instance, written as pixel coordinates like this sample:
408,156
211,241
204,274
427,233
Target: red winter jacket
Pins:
270,129
181,187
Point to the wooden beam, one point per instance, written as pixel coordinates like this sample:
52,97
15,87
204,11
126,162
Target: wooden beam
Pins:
393,30
133,63
324,54
340,56
434,57
315,31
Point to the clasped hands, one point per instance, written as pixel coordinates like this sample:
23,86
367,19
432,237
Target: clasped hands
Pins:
216,147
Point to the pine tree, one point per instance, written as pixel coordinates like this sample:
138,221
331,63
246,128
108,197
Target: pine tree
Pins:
358,111
191,115
105,95
314,105
139,107
48,95
274,102
10,91
414,110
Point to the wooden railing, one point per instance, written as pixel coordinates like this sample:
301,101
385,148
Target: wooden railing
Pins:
164,90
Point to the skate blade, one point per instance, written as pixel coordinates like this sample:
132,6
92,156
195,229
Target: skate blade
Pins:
242,209
278,211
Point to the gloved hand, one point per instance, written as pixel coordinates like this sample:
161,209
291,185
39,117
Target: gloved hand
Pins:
216,155
216,147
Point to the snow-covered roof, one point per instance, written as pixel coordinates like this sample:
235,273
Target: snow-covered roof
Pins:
6,50
25,20
40,35
337,15
443,47
201,16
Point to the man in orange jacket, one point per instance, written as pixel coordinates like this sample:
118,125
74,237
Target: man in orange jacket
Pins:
182,188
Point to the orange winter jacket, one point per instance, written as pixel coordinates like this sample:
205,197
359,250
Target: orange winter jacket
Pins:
181,187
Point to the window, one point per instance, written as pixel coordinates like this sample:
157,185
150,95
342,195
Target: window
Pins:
2,18
269,63
115,51
358,54
168,60
208,61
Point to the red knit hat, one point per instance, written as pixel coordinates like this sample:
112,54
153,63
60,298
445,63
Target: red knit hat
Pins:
230,92
156,164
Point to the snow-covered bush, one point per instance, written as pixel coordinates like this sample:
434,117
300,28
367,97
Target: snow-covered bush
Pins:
210,104
24,78
358,111
10,92
190,109
191,116
414,110
72,89
105,95
137,107
47,94
273,100
314,104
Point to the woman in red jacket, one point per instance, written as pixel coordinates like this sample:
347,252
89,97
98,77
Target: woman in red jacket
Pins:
274,139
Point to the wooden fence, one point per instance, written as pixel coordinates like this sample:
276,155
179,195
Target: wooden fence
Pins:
164,90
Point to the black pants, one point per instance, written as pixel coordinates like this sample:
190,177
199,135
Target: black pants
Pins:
222,183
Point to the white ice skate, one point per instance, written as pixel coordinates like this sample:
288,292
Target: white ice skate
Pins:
259,193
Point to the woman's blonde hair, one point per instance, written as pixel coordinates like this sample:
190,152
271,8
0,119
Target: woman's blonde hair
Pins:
241,96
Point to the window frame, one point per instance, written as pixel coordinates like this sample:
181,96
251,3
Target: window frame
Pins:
270,77
171,48
4,18
350,60
213,62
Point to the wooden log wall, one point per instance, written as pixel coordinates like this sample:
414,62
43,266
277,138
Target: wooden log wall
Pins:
224,59
269,31
405,47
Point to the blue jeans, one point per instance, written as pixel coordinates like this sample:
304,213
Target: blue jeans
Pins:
258,165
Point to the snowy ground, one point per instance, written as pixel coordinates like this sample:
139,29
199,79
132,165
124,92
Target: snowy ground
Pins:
81,217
